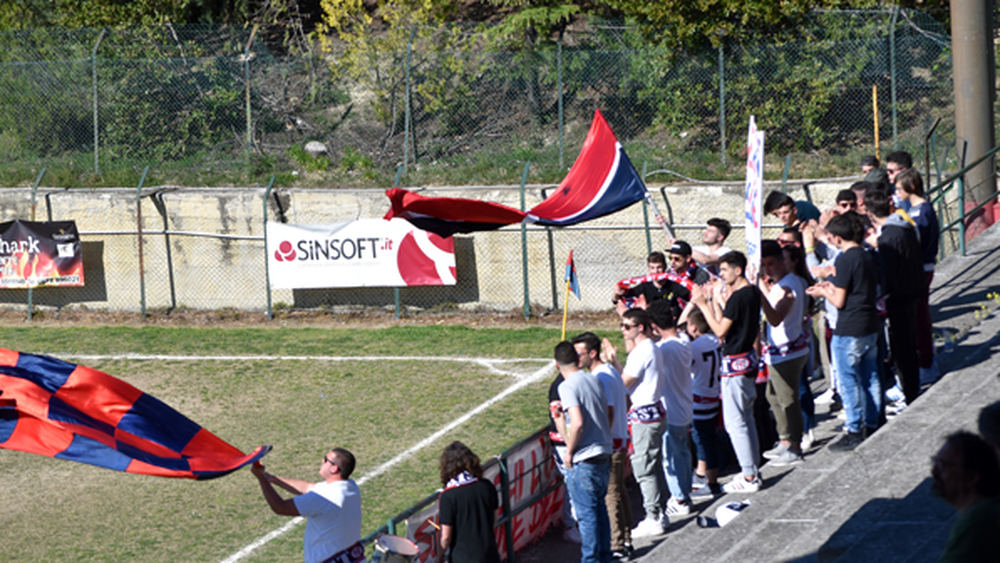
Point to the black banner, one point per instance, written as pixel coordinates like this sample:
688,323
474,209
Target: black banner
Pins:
35,253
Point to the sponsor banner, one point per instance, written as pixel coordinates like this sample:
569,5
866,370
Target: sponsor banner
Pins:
35,253
531,471
363,253
754,195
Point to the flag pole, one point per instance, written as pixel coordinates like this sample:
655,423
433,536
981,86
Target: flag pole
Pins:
565,311
659,218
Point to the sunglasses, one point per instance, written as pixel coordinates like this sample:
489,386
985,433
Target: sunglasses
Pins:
626,326
846,204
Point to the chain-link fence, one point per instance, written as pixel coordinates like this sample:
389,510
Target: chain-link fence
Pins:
457,105
167,249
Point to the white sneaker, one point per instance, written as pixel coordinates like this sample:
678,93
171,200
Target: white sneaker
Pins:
807,440
698,481
894,394
572,535
825,398
842,415
677,508
739,484
776,451
650,526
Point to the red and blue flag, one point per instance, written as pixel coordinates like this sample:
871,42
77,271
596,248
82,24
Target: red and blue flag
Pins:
54,408
571,279
601,181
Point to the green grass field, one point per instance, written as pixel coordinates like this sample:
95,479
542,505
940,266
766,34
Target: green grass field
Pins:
58,510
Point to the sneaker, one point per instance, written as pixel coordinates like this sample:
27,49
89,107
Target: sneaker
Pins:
787,457
826,397
572,535
842,415
807,439
847,442
698,482
710,490
677,508
894,394
775,451
620,555
892,409
650,526
739,484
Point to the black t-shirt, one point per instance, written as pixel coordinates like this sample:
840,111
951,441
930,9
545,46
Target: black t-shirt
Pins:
470,510
901,261
857,273
554,396
671,291
743,308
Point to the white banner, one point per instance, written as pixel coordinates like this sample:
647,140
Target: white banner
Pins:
363,253
754,197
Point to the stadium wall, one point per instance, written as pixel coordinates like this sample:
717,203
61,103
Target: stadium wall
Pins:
203,248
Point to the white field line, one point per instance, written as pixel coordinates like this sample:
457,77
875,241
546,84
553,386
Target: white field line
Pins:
409,452
402,456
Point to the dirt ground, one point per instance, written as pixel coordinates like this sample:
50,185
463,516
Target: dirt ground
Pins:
371,318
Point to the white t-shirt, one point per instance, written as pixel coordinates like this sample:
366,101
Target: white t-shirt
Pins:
643,364
675,364
615,392
789,330
704,249
333,518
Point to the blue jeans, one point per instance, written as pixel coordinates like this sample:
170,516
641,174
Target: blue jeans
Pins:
677,461
587,484
860,388
706,441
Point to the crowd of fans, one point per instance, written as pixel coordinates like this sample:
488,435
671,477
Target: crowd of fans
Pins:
710,343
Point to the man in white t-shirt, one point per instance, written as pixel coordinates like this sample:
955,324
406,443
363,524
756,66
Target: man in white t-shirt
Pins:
332,508
678,400
588,346
707,254
641,376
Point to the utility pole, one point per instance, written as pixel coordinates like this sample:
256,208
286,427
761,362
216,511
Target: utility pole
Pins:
975,91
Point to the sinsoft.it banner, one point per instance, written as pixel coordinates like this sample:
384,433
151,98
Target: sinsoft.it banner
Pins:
34,254
362,253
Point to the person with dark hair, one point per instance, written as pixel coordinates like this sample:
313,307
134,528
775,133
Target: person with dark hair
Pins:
466,508
873,171
675,373
732,310
712,244
583,423
795,260
855,338
647,417
655,288
684,266
786,350
846,201
910,187
332,507
788,211
896,162
965,473
589,347
989,425
900,264
706,356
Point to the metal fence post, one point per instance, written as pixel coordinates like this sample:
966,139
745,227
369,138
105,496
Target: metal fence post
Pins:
93,78
892,71
524,246
246,78
267,271
161,207
559,64
34,190
407,125
138,216
722,101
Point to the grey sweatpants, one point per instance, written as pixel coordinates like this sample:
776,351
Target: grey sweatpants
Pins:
738,394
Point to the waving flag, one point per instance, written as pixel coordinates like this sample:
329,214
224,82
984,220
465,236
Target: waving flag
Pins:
572,282
446,216
53,408
601,181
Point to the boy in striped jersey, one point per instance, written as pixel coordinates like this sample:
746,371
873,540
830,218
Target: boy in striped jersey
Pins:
706,355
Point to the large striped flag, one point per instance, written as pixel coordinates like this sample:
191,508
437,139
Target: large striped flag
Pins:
54,408
601,181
